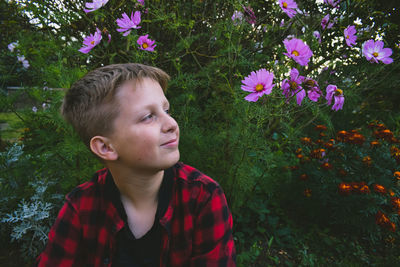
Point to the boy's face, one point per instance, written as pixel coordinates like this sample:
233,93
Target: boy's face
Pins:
145,136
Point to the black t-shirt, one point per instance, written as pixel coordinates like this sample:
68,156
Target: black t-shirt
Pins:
145,251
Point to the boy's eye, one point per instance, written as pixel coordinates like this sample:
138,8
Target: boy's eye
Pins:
148,117
167,111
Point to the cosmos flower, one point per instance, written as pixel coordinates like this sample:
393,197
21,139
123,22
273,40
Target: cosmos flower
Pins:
298,51
314,92
141,2
258,83
374,52
333,91
317,35
350,35
25,63
293,86
95,5
249,15
289,7
332,3
91,41
325,22
126,24
237,17
12,46
146,43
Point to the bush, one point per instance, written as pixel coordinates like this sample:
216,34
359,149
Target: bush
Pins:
349,183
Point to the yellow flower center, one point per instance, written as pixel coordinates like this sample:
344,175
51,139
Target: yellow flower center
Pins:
375,54
347,37
295,53
338,92
145,45
92,42
259,87
284,4
293,85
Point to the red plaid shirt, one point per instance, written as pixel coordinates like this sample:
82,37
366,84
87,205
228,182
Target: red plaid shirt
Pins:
196,228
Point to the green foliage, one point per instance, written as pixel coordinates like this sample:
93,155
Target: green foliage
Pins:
244,146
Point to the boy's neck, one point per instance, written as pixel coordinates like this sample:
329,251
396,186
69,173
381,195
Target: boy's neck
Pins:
140,189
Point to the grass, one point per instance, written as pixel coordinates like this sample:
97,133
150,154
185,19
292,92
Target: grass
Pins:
14,130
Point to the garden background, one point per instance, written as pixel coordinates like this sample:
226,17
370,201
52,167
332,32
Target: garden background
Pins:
310,180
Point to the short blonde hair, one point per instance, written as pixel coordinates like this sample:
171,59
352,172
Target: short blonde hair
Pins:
90,104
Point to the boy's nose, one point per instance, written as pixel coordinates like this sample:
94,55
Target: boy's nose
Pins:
169,124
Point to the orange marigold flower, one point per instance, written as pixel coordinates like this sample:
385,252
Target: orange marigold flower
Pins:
293,168
320,127
355,186
364,188
381,126
391,226
322,134
305,140
326,165
394,140
367,160
356,138
304,177
307,192
391,193
396,202
328,145
341,135
379,188
344,188
299,156
318,153
374,143
396,174
298,151
319,141
381,218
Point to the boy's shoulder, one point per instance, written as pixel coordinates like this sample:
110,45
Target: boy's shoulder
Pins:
89,188
193,177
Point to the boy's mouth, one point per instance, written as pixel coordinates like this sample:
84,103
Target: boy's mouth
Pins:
170,143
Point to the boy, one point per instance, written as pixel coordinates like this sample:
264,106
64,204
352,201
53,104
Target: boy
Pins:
145,208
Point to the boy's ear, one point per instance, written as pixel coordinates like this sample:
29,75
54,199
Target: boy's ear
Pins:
102,147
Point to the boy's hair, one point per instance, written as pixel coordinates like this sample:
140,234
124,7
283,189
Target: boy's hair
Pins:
90,104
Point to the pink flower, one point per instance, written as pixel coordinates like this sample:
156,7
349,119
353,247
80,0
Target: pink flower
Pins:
289,7
12,46
332,3
314,93
293,86
25,63
298,50
95,5
350,35
91,41
126,23
333,91
141,2
374,52
237,17
317,35
249,15
145,43
325,22
258,83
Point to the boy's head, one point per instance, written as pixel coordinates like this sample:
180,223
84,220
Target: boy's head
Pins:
91,106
